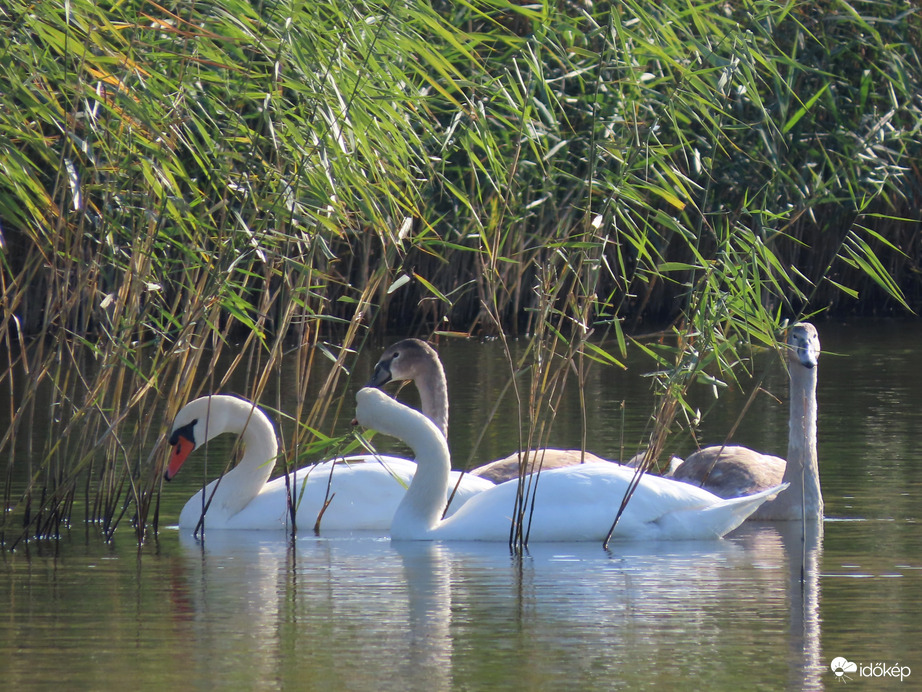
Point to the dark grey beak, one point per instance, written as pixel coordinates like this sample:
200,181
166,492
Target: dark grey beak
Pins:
381,376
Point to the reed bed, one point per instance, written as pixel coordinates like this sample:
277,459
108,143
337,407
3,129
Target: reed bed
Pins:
184,185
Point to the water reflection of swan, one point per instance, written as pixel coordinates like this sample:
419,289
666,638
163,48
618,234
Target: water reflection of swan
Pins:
344,612
571,504
803,546
364,495
229,589
417,361
797,550
361,612
733,471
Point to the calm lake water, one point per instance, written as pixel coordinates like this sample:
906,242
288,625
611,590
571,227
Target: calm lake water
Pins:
247,610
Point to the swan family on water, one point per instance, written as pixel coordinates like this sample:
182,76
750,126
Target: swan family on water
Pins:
710,494
574,503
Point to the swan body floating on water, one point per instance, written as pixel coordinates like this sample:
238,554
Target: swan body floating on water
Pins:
734,471
413,359
365,493
576,503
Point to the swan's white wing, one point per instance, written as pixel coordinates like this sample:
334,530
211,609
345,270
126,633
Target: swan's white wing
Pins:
365,492
580,503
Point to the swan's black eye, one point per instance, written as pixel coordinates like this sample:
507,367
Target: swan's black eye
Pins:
187,431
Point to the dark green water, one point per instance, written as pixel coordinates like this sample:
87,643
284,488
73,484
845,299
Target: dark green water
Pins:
256,611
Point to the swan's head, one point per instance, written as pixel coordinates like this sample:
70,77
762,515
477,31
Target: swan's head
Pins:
410,359
206,416
804,345
376,410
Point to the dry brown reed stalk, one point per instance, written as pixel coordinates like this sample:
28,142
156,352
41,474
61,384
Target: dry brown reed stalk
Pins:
118,387
309,326
669,401
97,396
549,359
361,320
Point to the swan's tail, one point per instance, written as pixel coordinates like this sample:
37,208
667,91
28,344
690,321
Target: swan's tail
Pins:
717,520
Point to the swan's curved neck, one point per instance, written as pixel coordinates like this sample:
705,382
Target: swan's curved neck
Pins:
433,396
420,511
802,470
243,482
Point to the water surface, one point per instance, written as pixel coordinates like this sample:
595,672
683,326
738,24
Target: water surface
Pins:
247,610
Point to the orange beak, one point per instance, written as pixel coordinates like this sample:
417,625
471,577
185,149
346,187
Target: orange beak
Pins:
181,450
